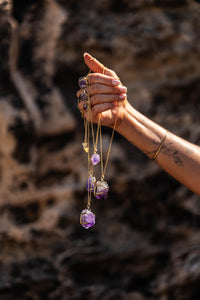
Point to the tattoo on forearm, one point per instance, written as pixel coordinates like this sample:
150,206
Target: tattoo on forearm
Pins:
169,150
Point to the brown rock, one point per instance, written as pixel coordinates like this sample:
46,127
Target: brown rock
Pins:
145,244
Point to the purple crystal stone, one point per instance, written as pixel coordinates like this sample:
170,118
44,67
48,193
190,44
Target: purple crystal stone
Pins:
91,184
95,159
87,218
83,97
82,82
102,189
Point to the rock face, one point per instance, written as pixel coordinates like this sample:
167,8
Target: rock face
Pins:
145,244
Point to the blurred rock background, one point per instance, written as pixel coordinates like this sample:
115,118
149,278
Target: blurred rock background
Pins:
146,242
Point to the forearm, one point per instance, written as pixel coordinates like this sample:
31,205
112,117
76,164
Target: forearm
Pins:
178,157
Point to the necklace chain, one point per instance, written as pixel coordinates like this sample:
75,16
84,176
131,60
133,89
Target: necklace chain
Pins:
89,130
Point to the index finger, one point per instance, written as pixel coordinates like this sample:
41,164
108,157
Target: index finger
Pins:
97,67
103,79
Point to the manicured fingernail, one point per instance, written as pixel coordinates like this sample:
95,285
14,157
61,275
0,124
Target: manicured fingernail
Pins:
122,97
115,82
123,89
114,103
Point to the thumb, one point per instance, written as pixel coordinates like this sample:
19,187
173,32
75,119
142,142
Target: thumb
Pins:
97,67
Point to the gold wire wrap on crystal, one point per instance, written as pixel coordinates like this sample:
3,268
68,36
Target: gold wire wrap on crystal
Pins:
160,147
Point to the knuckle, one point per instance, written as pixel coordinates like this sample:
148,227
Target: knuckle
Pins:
94,99
93,89
98,77
80,105
94,78
89,78
95,109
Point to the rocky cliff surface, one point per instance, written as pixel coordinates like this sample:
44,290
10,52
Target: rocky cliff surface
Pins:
146,242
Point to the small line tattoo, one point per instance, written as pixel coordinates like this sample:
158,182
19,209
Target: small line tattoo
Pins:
169,150
172,153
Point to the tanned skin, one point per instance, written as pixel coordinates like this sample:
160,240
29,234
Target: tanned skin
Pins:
178,157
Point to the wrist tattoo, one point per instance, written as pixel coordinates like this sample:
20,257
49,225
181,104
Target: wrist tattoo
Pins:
170,150
174,154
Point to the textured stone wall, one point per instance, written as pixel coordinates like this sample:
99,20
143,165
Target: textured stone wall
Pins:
146,242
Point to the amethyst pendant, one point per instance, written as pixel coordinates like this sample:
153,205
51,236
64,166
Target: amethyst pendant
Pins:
91,183
82,82
95,159
87,218
83,97
102,189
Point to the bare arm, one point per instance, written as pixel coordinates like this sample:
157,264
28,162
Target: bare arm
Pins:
178,157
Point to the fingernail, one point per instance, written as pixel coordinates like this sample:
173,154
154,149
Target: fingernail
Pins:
123,89
114,103
122,97
115,82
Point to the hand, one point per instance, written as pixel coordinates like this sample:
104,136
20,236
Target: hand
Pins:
107,95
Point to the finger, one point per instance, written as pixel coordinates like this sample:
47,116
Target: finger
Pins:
106,98
103,79
96,110
78,93
82,94
97,67
100,99
83,106
99,108
98,88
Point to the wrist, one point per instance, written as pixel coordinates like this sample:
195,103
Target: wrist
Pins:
141,131
125,121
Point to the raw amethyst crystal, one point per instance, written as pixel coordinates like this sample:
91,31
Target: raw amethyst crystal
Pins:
82,82
95,159
87,218
102,189
91,183
83,97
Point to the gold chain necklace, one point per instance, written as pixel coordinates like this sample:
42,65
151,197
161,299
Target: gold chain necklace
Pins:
98,188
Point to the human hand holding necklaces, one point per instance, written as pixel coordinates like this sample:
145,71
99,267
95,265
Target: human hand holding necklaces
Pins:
107,95
102,100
